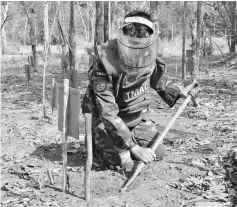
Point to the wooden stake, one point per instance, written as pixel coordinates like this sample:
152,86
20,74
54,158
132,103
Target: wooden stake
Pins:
50,176
88,118
52,95
27,72
65,131
74,78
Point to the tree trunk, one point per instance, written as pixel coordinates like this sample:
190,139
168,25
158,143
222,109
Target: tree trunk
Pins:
91,17
92,25
127,7
25,31
194,45
72,39
59,31
154,18
83,23
91,32
32,22
99,26
172,38
109,20
183,50
233,25
46,26
113,14
199,13
3,32
14,34
64,54
106,21
204,42
153,10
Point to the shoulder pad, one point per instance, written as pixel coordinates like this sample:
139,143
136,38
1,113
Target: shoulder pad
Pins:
98,71
112,44
109,57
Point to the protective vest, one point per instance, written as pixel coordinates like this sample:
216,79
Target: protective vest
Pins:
132,99
130,94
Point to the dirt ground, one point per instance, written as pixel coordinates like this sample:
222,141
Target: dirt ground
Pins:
191,173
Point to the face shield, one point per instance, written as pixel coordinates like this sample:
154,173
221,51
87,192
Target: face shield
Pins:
137,55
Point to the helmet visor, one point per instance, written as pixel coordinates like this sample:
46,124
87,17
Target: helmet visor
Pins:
137,53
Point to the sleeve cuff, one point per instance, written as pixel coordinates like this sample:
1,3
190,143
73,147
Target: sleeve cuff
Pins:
173,94
131,145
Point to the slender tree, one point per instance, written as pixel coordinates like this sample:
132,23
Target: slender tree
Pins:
46,58
72,38
26,23
31,15
46,25
113,14
106,21
199,13
184,34
127,7
64,55
153,10
193,44
99,26
83,22
3,32
233,16
109,20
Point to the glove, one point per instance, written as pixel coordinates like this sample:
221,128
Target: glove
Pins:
189,90
194,93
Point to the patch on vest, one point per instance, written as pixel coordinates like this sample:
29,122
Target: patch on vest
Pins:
100,74
130,95
100,85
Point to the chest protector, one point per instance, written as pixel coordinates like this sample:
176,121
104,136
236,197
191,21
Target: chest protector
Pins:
130,91
132,98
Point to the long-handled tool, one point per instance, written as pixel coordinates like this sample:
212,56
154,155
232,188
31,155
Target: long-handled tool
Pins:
160,138
88,120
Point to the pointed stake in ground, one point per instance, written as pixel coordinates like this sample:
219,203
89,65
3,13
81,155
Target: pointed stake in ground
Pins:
27,72
88,140
52,95
50,176
31,61
65,131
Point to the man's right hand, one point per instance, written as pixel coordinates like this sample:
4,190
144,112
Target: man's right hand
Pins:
145,155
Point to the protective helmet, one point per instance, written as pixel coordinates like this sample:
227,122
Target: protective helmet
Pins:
137,55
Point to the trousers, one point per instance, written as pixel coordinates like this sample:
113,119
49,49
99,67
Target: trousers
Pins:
108,149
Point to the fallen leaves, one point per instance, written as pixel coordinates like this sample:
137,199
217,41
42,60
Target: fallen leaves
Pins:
210,186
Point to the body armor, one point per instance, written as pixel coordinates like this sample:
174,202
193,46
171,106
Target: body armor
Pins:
132,98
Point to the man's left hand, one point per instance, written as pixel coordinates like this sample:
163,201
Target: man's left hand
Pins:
188,90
